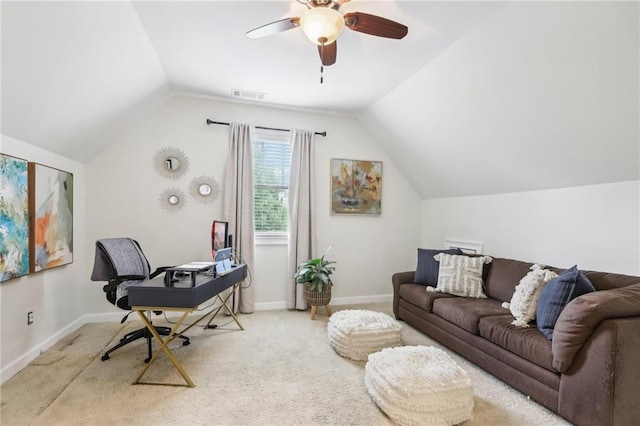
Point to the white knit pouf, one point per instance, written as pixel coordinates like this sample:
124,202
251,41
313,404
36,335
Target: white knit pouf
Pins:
419,385
356,333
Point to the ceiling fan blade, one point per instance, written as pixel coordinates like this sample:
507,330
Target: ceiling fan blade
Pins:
328,53
274,28
375,25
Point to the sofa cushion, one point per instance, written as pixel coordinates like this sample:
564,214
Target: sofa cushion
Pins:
528,343
427,268
555,296
503,276
525,298
461,275
466,312
608,280
416,295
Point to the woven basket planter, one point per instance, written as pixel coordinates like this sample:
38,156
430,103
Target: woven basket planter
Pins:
317,298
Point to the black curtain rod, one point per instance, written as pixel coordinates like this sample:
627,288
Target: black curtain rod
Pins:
209,121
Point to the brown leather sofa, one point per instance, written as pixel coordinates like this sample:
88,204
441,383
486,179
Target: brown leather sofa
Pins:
589,373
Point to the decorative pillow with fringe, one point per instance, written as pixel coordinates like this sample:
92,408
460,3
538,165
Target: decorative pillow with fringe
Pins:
525,298
461,275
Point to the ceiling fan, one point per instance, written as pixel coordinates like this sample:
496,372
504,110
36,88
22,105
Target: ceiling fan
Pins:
322,23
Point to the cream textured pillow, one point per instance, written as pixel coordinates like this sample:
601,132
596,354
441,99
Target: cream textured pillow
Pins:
525,298
460,275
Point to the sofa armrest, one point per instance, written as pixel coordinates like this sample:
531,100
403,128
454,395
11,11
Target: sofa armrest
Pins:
600,386
398,279
582,315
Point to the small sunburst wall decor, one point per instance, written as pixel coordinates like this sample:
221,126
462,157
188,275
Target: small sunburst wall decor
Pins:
172,199
205,189
171,162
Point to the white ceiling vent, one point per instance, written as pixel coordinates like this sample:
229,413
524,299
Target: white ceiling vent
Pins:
246,94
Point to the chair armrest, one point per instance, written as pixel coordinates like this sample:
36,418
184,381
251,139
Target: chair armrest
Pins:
115,282
582,315
158,271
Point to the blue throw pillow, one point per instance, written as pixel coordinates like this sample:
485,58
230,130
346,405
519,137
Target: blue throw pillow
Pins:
557,294
427,269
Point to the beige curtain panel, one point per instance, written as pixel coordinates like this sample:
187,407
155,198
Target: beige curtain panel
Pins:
302,224
237,205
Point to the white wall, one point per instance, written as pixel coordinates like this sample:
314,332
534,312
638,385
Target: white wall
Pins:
596,227
123,192
541,95
57,296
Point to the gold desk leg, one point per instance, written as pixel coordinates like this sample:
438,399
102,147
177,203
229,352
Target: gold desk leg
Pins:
224,305
164,347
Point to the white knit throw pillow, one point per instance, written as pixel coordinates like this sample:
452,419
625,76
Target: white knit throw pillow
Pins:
460,275
525,297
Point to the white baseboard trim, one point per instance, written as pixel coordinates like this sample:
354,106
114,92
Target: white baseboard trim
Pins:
362,299
16,366
337,301
270,306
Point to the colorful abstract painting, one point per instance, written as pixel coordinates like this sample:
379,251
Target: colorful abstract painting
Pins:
14,218
52,227
356,186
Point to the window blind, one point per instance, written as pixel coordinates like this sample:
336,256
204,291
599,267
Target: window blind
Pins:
272,165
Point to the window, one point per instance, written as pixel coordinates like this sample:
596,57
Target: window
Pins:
271,166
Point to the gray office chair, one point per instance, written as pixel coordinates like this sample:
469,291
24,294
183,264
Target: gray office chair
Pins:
121,262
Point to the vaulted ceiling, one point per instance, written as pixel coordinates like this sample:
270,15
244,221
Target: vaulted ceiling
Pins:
74,74
77,74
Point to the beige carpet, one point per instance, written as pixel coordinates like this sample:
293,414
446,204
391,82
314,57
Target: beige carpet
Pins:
279,371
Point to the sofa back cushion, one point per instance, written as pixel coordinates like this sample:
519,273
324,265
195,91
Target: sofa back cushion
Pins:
609,281
503,277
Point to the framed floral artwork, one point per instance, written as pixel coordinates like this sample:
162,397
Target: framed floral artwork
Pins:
51,203
14,218
356,186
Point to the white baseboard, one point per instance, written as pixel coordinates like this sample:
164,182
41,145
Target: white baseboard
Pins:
337,301
16,366
13,368
270,306
362,299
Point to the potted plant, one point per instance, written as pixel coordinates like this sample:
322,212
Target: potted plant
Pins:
315,274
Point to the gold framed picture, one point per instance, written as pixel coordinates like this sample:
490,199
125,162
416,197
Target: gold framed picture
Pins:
356,186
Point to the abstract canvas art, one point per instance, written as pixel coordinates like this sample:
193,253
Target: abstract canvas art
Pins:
51,200
356,186
14,218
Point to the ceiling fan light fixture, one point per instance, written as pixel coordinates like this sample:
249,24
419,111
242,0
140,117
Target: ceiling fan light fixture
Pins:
322,25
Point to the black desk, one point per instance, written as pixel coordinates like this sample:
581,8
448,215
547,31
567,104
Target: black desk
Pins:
182,296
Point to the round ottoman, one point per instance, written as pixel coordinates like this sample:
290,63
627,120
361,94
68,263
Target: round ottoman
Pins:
355,333
419,385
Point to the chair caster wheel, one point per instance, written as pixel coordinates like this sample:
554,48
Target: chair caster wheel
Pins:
146,361
105,357
186,343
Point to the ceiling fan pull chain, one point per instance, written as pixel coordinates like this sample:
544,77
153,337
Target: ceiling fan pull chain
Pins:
321,71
